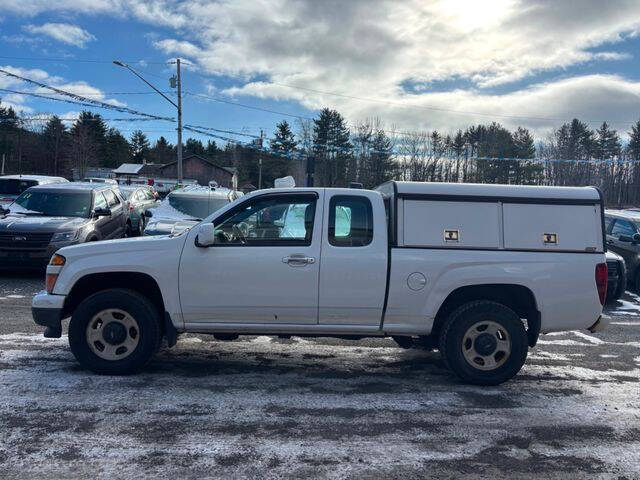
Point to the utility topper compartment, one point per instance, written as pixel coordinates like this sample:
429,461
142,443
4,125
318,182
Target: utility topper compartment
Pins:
511,224
451,224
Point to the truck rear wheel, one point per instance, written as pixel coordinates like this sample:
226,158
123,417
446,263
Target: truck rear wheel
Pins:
484,343
114,332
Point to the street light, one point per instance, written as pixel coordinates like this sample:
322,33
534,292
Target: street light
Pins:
178,106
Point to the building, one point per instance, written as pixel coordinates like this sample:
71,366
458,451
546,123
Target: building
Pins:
201,169
128,171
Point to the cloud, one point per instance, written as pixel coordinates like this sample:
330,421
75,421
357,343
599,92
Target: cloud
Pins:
373,49
62,32
19,102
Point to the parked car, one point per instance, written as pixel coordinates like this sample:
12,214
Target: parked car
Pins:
185,207
13,185
457,265
99,180
48,217
617,276
139,202
623,238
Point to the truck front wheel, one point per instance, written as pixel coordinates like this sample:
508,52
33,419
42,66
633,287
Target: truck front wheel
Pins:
114,332
484,343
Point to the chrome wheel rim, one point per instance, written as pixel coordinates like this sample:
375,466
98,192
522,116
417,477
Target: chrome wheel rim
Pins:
112,334
486,345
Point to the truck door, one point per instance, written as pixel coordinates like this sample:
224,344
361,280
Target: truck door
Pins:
353,270
263,267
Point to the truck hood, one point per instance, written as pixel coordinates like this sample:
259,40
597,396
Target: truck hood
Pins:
127,247
25,223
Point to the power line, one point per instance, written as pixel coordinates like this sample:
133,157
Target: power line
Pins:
228,102
78,60
96,103
224,131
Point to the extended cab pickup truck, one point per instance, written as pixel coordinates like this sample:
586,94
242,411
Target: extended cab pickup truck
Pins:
477,271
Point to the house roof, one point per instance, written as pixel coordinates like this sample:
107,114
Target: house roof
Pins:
129,168
231,170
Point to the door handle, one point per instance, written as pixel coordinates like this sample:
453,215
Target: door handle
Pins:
298,260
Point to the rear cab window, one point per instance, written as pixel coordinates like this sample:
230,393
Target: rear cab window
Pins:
11,186
350,221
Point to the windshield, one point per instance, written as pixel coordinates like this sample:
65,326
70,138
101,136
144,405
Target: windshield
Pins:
12,186
197,206
126,192
53,204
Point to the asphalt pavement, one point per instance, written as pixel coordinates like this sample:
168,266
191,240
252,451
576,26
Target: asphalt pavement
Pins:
262,407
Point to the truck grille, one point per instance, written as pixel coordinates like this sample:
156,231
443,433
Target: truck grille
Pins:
612,267
22,240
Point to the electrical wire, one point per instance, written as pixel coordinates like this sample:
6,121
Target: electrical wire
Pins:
96,103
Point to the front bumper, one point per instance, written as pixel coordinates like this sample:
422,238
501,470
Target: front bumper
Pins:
602,323
47,311
31,258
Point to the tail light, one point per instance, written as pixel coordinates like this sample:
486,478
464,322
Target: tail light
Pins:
601,281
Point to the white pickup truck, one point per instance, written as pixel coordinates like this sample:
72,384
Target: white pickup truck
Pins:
477,271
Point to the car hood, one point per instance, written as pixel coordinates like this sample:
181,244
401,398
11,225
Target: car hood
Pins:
25,223
166,226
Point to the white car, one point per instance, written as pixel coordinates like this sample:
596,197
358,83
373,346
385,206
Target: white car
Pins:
449,265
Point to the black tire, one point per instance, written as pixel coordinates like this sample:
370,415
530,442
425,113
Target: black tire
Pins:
636,282
128,230
462,320
137,306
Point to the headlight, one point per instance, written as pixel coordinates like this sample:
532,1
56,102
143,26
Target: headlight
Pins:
65,236
52,277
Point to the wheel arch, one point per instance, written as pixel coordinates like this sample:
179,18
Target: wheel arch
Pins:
517,297
89,284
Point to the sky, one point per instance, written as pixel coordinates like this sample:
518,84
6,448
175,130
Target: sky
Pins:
249,64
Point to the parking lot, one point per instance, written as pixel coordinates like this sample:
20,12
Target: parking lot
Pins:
262,407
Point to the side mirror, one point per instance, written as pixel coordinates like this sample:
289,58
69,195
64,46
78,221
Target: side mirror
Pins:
102,212
148,213
636,238
206,235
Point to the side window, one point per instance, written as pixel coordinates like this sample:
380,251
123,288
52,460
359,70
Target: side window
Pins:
271,221
623,227
350,221
608,221
99,201
112,198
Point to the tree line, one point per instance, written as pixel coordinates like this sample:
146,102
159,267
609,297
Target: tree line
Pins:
327,152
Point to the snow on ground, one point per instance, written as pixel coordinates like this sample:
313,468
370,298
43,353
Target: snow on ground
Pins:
264,407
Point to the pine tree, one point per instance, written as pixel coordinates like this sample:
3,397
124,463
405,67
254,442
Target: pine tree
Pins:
331,148
118,150
162,152
529,173
194,147
211,149
382,166
55,141
283,148
139,146
88,141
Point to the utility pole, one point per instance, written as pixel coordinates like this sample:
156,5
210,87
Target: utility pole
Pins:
260,163
174,82
179,122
